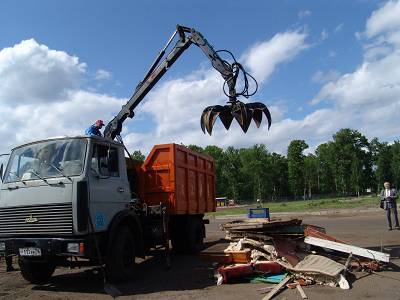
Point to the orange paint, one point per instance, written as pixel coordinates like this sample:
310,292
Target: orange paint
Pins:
180,178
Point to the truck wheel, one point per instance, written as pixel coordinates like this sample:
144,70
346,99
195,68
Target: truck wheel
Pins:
195,238
121,259
188,237
36,272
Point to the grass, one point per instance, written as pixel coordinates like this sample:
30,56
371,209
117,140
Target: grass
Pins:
304,205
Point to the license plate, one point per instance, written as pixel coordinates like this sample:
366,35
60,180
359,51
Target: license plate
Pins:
30,252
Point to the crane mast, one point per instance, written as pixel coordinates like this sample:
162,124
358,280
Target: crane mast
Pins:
242,112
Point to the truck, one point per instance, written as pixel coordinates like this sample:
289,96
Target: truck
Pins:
84,201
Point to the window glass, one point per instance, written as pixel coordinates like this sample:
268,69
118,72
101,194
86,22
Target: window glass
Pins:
105,160
47,159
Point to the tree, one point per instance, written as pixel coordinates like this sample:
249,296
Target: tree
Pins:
219,159
196,148
231,172
254,163
278,171
326,168
354,170
296,166
137,155
395,164
310,173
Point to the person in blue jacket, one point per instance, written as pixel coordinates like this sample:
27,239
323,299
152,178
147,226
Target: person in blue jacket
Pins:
95,128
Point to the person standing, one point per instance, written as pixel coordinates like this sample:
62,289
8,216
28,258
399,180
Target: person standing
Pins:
388,196
95,128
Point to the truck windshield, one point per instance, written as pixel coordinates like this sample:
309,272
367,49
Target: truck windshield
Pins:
45,158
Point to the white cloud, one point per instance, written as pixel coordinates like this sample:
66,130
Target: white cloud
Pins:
324,35
338,28
384,20
176,105
366,97
102,75
304,13
263,57
324,77
362,99
40,95
33,73
64,108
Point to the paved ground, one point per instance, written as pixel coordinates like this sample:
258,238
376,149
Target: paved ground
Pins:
191,278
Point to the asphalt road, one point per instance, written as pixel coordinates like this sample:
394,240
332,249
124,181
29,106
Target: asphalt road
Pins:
190,278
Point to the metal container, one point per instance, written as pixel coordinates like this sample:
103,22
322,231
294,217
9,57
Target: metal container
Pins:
180,178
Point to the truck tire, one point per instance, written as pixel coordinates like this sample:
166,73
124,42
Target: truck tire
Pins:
188,236
36,272
120,264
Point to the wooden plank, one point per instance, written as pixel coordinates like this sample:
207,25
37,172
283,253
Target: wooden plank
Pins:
277,288
301,291
371,254
287,249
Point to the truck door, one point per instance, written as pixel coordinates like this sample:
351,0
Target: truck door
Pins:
108,189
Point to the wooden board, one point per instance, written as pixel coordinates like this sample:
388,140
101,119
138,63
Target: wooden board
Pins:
371,254
216,253
277,288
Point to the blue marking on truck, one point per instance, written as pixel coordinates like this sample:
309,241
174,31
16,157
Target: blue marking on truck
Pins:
100,220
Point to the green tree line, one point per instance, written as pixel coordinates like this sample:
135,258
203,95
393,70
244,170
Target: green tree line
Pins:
347,165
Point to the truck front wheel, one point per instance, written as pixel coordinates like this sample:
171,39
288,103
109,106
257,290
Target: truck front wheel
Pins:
36,272
121,259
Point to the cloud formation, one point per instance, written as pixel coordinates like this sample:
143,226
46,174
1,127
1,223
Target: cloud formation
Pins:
41,95
32,73
368,95
53,102
176,105
304,13
264,57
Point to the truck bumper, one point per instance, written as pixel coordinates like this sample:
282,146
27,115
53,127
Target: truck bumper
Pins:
49,247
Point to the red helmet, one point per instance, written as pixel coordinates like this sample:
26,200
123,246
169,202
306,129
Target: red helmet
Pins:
100,123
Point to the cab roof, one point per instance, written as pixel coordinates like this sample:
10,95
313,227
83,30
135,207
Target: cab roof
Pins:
92,137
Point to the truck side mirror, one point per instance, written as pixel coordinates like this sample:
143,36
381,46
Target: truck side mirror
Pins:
1,172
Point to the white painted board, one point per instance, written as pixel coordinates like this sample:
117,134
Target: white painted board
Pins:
375,255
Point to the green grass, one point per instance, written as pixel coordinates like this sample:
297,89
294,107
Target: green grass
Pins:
304,205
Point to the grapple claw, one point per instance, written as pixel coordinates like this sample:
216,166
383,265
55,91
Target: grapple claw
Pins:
241,112
242,115
208,118
258,109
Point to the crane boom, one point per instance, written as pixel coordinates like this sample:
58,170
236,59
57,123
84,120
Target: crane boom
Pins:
236,109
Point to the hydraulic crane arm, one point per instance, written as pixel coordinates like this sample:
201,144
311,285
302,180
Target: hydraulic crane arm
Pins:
243,113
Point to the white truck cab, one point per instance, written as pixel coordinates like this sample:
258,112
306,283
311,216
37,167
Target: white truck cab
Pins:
52,192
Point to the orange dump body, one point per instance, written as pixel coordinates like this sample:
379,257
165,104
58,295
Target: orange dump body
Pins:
180,178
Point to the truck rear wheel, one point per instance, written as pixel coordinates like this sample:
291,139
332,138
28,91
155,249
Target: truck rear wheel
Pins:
188,235
36,272
121,259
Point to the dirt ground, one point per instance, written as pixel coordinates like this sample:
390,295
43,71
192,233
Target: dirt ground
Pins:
190,278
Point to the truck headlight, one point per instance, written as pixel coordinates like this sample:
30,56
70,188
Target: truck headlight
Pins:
76,248
2,246
73,247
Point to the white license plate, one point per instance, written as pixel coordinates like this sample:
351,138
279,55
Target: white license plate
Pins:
30,252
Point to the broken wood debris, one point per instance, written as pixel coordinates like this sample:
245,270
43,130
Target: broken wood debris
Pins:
284,251
276,289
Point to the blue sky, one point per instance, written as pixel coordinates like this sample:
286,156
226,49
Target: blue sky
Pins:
95,52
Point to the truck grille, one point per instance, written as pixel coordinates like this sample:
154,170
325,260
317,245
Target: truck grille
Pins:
36,219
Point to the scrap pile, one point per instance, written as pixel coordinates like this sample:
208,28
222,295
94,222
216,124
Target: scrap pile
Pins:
288,253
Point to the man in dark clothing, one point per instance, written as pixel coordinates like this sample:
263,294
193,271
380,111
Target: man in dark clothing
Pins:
10,267
95,128
389,195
